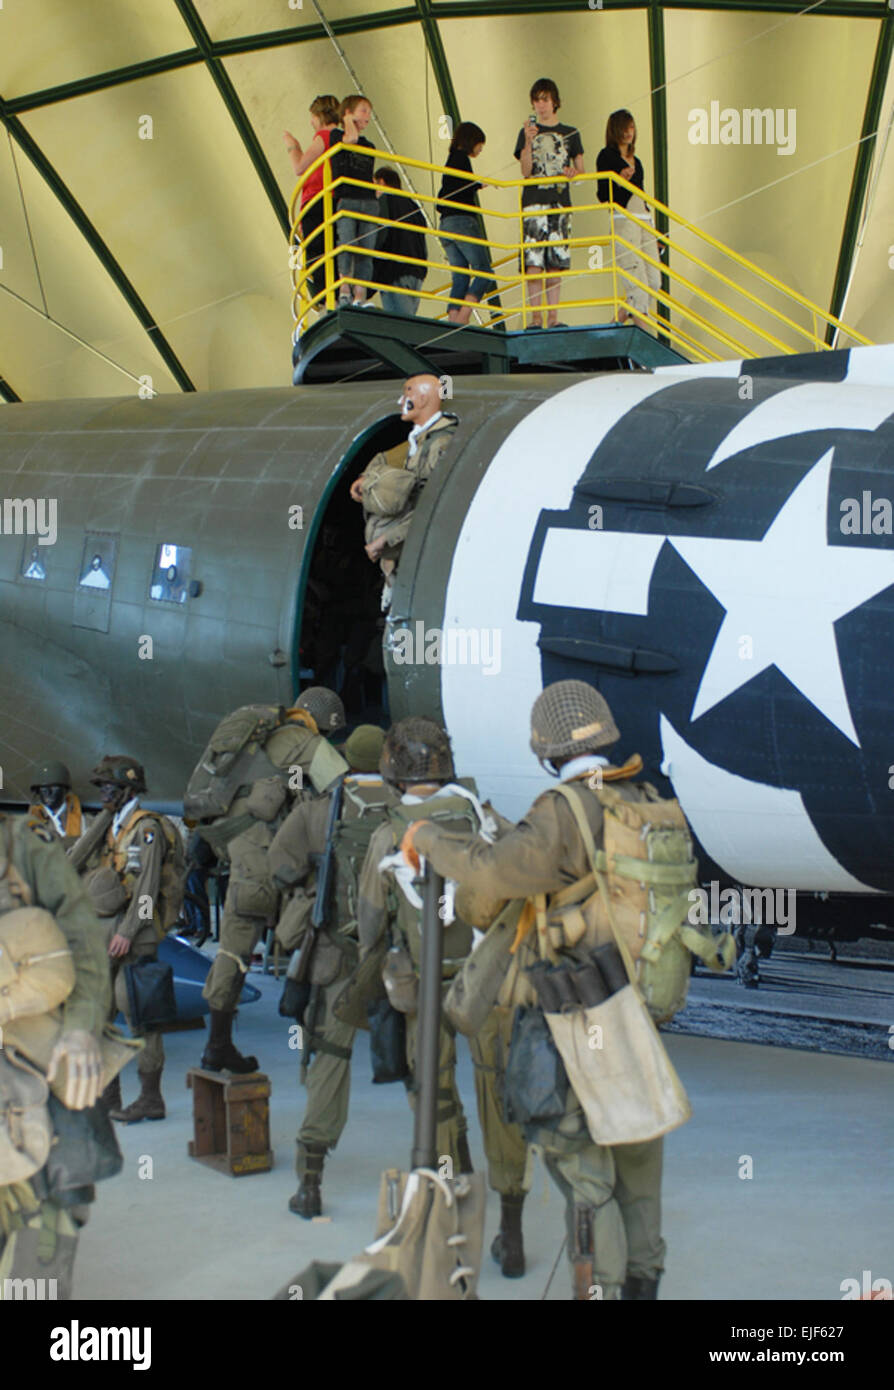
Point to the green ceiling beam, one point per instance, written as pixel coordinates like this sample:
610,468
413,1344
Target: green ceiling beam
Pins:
96,243
225,48
236,110
7,392
862,166
658,85
438,9
438,60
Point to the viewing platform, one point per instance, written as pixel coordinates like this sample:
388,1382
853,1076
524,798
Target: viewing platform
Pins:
644,288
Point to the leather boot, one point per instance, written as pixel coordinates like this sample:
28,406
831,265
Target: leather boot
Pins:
308,1200
463,1153
220,1054
638,1287
111,1097
507,1248
148,1104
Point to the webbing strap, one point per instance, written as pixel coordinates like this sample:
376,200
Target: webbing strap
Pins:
315,1043
46,1241
664,925
645,870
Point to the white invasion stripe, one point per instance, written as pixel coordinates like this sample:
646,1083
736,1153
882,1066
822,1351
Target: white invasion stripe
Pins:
608,571
871,366
814,405
702,369
535,468
756,833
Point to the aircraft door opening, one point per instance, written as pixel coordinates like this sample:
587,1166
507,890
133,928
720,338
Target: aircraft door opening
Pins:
340,592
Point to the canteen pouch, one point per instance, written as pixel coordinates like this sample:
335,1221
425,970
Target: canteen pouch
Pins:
85,1149
387,1042
25,1129
535,1086
400,980
106,892
327,960
265,800
150,993
363,987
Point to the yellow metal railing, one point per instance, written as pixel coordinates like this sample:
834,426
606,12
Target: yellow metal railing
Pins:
721,305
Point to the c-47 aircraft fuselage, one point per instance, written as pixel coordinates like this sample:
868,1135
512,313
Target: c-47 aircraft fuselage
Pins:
710,546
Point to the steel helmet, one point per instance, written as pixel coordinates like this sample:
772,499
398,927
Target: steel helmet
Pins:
569,718
416,750
52,774
324,707
121,771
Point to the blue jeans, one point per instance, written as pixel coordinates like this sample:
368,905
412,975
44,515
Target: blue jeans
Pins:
354,234
402,303
465,257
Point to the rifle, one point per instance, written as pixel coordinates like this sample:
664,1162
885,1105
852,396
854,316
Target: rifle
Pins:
296,993
81,851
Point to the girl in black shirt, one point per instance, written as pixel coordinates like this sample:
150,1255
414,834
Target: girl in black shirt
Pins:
467,143
618,157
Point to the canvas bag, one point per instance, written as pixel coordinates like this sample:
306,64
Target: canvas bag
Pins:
25,1129
626,1084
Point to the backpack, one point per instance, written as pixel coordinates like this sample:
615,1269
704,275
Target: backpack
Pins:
647,871
234,756
364,807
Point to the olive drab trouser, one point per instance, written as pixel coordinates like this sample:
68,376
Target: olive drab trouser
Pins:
452,1124
144,944
329,1074
622,1183
250,907
508,1170
41,1247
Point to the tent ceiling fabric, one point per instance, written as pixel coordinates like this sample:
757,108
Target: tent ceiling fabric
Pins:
184,219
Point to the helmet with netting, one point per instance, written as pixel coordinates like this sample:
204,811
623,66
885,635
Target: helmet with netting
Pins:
51,774
121,772
569,718
416,750
324,707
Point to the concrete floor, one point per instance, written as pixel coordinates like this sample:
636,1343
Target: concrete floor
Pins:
817,1210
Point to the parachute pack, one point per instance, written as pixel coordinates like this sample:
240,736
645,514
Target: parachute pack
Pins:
233,758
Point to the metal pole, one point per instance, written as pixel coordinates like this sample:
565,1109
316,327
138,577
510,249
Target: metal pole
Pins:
428,1034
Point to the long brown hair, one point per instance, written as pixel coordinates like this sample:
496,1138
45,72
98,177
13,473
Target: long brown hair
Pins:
615,127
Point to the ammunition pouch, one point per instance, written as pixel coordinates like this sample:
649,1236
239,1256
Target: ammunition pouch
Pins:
25,1129
266,798
400,980
106,892
363,987
252,897
36,968
294,920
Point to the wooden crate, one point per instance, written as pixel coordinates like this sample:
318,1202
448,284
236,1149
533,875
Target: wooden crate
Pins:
232,1121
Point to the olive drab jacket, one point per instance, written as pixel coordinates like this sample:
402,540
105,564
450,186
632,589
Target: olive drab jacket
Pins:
389,500
35,871
302,836
146,853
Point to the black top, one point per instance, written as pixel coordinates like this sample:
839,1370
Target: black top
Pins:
346,163
611,158
400,241
459,190
553,149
